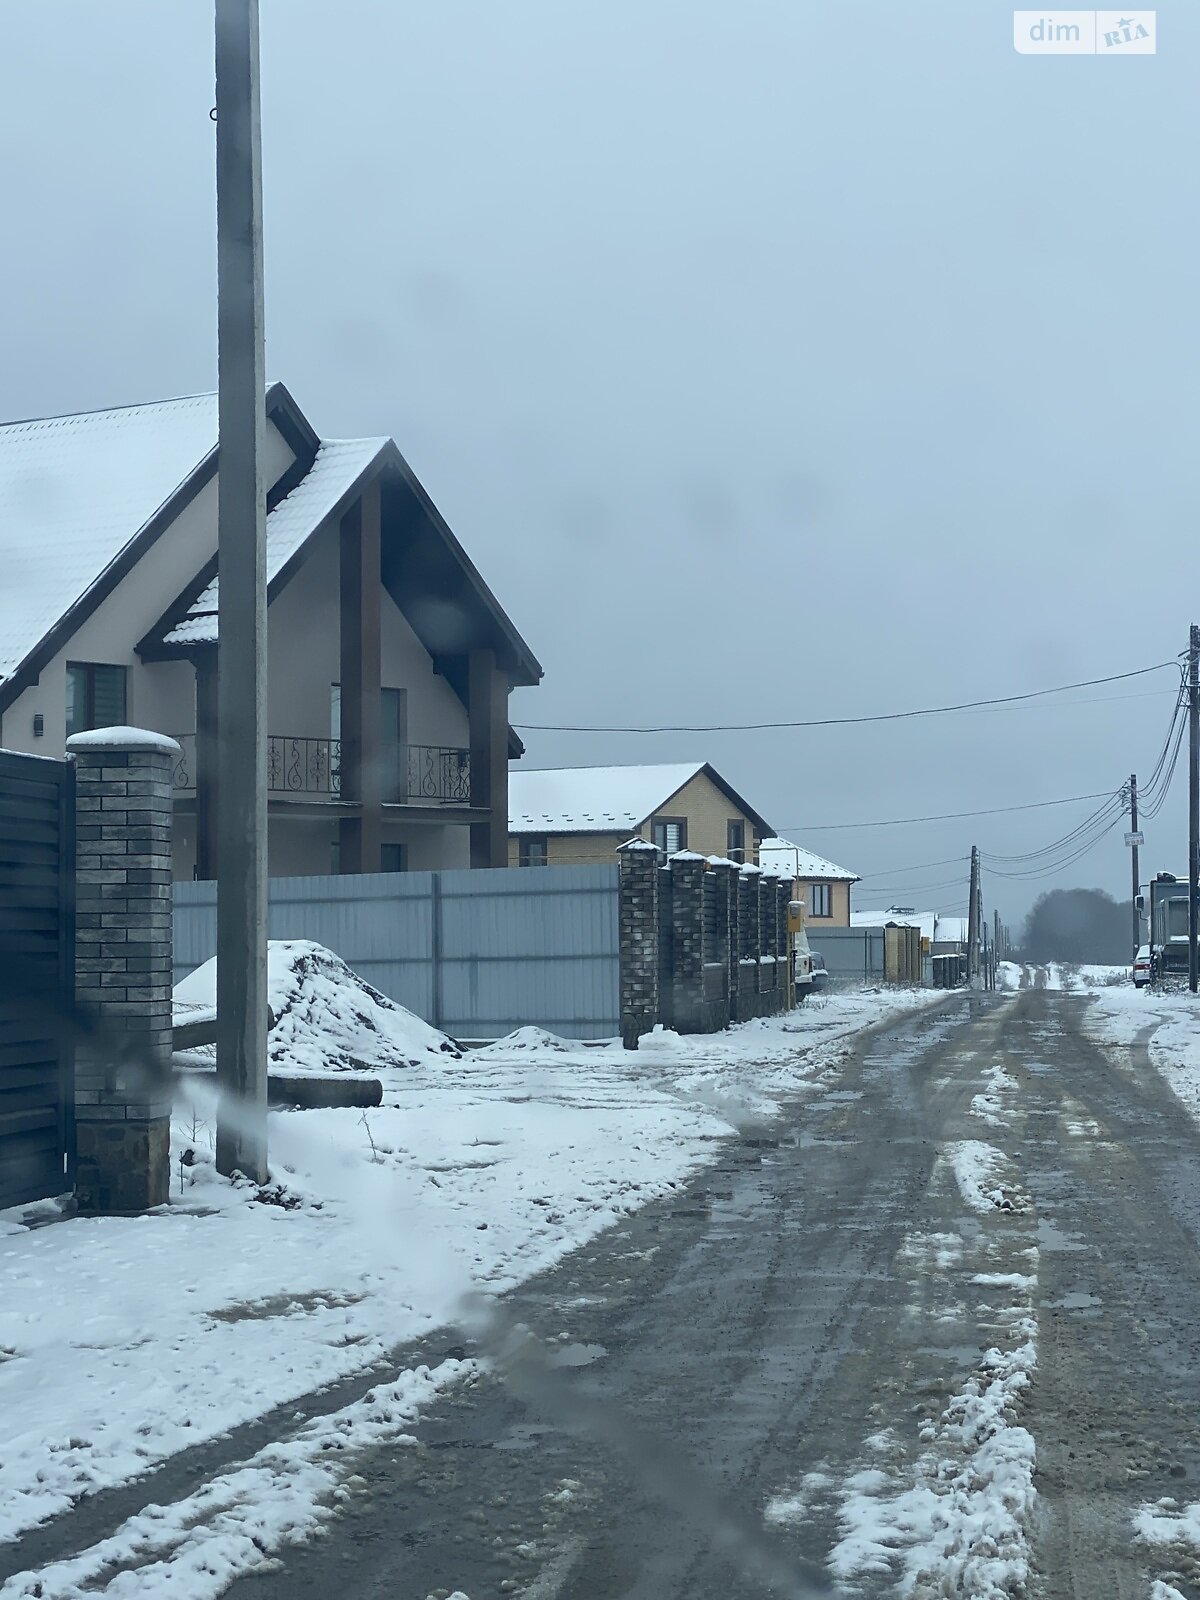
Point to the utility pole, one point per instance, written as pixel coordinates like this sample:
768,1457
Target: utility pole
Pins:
1133,840
242,605
973,922
1193,803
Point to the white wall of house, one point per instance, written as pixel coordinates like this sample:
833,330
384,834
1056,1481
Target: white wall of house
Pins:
435,713
159,694
303,652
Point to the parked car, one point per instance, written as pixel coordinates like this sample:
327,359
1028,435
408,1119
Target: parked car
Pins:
820,973
1141,967
802,966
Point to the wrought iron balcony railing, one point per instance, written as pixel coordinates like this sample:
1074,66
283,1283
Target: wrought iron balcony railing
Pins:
414,774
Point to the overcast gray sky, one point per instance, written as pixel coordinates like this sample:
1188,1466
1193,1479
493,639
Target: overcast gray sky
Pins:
771,359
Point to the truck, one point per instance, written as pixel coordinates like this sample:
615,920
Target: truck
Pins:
1166,911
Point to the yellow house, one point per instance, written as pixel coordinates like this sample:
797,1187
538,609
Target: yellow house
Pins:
572,815
822,885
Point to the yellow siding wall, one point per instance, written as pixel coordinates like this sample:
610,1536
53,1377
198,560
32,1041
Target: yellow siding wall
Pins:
707,809
839,902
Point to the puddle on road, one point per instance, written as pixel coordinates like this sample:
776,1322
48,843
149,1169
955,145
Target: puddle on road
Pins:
1051,1237
1074,1300
576,1355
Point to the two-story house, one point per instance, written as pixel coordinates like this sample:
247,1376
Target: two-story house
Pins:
822,886
390,661
569,815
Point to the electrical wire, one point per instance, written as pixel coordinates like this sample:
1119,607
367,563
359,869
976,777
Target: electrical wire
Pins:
946,816
841,722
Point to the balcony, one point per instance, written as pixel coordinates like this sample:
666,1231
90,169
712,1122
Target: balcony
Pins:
310,769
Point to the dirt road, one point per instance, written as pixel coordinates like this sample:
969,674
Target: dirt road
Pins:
938,1326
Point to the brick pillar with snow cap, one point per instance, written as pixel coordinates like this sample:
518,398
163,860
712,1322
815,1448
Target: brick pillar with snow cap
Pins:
726,875
123,967
687,932
747,892
637,934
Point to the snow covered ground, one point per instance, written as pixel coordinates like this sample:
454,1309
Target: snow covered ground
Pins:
125,1340
1168,1020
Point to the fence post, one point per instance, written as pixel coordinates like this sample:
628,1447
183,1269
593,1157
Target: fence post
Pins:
687,936
123,967
726,875
637,926
783,897
747,891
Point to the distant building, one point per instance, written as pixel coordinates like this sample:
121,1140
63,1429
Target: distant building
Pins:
822,885
569,815
945,935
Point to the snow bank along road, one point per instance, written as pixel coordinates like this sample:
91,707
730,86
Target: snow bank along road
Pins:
935,1331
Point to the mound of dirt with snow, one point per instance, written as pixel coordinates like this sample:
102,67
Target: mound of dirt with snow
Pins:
326,1018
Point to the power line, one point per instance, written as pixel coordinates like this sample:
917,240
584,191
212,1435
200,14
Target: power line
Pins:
841,722
918,866
946,816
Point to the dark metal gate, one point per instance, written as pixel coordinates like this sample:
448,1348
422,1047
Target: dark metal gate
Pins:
37,977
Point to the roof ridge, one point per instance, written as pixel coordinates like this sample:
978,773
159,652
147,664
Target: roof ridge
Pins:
99,411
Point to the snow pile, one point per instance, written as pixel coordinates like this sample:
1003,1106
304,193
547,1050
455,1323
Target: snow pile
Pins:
1008,975
988,1105
233,1525
1124,1016
326,1017
977,1169
1175,1531
961,1526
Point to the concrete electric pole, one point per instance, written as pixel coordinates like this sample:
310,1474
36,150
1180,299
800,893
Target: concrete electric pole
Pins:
242,606
1193,803
1133,842
973,922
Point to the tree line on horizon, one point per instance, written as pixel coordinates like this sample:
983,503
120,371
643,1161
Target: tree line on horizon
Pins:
1084,925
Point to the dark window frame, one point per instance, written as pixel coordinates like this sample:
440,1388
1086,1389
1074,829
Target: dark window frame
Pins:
90,669
525,844
664,823
826,891
735,852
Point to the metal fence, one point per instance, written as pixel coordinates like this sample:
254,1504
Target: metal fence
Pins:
477,953
37,976
851,953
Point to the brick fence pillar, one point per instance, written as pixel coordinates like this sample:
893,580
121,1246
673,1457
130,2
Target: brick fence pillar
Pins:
637,923
687,933
123,967
726,875
748,877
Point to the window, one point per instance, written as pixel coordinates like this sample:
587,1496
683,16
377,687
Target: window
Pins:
735,839
95,696
670,834
820,900
393,858
533,850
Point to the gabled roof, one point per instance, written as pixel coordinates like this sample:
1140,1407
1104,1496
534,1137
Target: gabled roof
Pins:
784,856
74,492
82,498
604,799
338,468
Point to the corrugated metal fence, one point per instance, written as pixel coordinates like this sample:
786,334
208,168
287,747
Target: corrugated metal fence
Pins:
477,953
851,953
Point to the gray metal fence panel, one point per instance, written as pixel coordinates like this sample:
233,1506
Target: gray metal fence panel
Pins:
477,953
850,952
37,977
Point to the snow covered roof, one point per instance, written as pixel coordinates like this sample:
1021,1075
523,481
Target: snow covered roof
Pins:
781,855
592,799
74,491
934,927
338,466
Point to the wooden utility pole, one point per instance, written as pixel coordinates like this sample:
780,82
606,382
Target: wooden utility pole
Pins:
998,950
1193,804
973,922
1133,842
242,606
